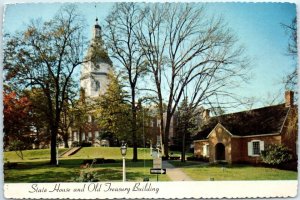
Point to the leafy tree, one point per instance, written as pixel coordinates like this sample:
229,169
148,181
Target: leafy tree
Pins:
66,123
113,112
185,127
276,154
67,117
16,117
38,118
80,113
44,56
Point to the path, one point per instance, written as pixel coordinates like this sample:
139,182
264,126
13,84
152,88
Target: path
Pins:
70,151
175,174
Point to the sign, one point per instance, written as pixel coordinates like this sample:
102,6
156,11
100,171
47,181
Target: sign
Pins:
157,163
158,171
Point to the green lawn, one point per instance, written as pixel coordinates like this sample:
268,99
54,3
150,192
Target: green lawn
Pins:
35,167
110,153
84,153
233,172
40,154
69,169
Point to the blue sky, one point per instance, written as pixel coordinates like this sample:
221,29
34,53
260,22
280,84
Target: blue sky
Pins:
257,26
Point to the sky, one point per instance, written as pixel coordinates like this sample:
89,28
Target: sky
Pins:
256,25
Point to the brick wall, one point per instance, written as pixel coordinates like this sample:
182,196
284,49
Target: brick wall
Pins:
275,139
219,135
198,147
236,148
290,131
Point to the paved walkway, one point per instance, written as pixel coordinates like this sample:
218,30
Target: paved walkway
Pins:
175,174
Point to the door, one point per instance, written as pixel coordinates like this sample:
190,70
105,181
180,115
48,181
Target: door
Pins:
220,151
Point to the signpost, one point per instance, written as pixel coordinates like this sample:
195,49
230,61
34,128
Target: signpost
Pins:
158,171
157,163
157,160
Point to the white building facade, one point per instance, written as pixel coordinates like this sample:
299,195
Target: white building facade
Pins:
94,73
94,81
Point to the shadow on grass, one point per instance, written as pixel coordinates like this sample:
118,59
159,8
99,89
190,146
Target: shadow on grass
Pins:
116,175
39,177
199,164
68,170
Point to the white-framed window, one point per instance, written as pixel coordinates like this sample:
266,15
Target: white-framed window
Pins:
255,147
205,150
151,123
75,138
97,134
90,135
89,118
97,86
83,136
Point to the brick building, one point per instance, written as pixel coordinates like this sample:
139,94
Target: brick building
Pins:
240,137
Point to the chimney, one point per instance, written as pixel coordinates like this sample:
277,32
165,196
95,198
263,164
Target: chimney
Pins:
289,98
205,115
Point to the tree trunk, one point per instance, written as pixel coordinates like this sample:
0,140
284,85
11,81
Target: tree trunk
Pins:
161,115
183,148
66,144
133,125
53,131
166,136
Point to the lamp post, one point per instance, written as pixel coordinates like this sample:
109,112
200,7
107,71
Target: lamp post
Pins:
123,152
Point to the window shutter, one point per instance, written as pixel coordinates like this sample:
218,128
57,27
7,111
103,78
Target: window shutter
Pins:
250,149
204,150
262,145
207,150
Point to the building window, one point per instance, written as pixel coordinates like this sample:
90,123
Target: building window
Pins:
97,134
89,118
97,86
75,138
255,147
205,150
151,123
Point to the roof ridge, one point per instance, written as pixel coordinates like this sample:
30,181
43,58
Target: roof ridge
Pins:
256,109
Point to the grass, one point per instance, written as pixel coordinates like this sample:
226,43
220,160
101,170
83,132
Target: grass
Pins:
233,172
28,172
35,166
84,153
39,154
110,153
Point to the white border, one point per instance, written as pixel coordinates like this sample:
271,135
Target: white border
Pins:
169,190
194,189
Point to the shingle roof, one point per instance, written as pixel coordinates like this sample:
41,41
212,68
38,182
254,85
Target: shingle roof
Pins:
260,121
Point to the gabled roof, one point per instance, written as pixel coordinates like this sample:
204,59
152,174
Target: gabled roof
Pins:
261,121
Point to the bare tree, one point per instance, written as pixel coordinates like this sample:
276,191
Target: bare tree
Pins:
153,40
45,56
188,50
292,79
123,46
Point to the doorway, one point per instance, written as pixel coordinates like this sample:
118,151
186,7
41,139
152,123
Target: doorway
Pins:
220,151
